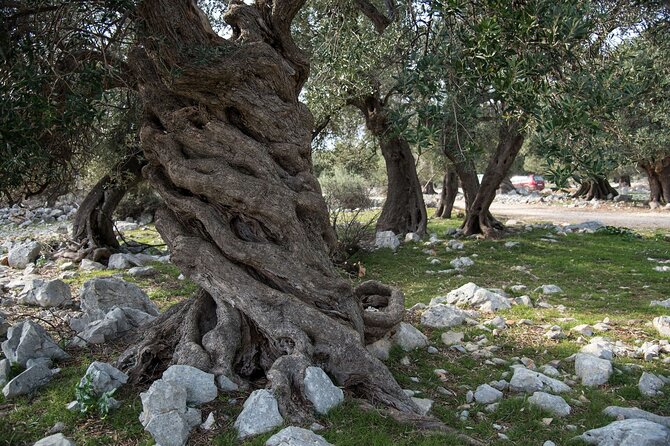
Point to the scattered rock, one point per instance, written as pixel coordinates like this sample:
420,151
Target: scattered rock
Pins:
485,394
199,385
635,413
104,377
99,296
380,349
22,254
650,384
208,424
5,371
260,414
387,239
55,440
122,261
424,405
90,265
593,371
553,404
583,329
46,293
443,316
28,340
549,289
529,381
631,432
321,391
412,237
473,296
660,303
511,244
28,381
662,325
461,262
455,245
555,333
4,326
296,436
523,300
118,322
225,384
409,338
452,337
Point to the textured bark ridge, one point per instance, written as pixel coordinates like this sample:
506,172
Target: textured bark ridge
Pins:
658,174
404,209
228,145
93,226
448,194
596,188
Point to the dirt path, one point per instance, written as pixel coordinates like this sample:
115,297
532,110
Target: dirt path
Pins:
630,218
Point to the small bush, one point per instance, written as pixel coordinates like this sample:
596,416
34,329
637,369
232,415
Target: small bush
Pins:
344,190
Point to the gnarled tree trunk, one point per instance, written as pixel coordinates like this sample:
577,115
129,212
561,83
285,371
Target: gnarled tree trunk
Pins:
228,145
448,194
595,188
404,209
93,226
658,174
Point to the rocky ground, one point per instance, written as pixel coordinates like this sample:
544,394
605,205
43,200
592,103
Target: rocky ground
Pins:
53,310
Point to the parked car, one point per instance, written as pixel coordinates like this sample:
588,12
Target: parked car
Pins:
531,182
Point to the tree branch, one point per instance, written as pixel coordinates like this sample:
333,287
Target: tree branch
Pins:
380,21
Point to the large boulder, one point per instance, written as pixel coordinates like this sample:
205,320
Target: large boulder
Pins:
22,254
296,436
260,414
28,381
387,239
321,391
28,340
632,432
99,296
46,293
593,371
529,381
200,386
471,295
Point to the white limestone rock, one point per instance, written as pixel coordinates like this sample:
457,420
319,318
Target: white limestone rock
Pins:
632,432
553,404
529,381
321,391
260,414
28,340
593,371
409,338
296,436
199,385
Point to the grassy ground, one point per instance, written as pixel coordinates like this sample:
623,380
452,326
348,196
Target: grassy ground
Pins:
602,276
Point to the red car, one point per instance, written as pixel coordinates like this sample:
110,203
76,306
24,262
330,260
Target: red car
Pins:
530,182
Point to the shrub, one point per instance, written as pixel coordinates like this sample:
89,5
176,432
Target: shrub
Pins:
344,190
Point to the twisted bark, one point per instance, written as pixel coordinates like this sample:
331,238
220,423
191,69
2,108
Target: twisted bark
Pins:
93,226
658,174
228,145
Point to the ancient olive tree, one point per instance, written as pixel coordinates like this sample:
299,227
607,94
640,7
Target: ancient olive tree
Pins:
358,48
228,148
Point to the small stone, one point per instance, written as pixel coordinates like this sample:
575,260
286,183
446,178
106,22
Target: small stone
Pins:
452,337
380,349
208,424
553,404
650,384
432,350
55,440
409,338
461,262
296,436
554,333
142,271
469,396
104,377
549,289
548,443
56,428
424,405
199,385
321,391
631,432
591,370
90,265
490,408
528,381
443,316
583,329
412,237
485,394
225,384
260,414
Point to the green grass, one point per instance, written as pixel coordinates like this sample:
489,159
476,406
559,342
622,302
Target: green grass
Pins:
602,275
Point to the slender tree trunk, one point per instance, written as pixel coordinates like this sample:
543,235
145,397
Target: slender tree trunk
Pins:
478,198
93,225
429,188
228,145
448,194
404,209
596,188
